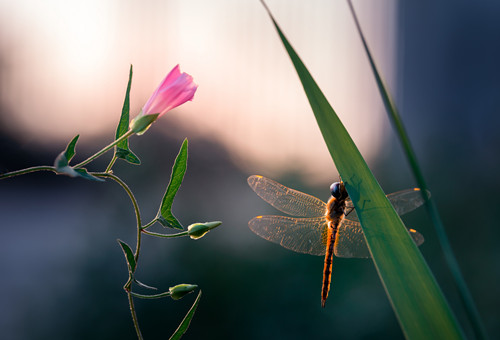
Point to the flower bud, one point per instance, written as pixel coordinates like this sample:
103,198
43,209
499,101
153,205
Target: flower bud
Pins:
141,123
178,292
175,89
198,230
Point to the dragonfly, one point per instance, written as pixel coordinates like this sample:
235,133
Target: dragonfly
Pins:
323,229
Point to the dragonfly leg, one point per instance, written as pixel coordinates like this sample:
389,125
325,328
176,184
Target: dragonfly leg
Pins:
350,210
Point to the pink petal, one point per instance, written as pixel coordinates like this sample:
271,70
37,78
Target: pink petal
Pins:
173,91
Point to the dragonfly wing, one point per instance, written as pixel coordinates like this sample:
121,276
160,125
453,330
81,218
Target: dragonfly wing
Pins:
303,235
350,240
289,201
403,202
407,200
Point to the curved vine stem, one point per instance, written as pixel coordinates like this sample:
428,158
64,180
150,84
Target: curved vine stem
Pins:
137,248
27,171
104,150
134,203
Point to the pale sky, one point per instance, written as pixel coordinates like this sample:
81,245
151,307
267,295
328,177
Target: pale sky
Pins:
65,69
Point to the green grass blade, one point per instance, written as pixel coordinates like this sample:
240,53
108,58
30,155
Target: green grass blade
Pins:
187,320
165,216
397,122
416,298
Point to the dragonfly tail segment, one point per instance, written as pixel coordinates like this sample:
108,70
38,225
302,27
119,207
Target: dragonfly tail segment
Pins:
327,270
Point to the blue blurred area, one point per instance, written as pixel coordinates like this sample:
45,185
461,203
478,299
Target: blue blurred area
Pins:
62,270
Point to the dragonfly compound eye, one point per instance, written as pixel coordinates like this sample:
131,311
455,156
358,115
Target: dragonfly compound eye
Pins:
335,189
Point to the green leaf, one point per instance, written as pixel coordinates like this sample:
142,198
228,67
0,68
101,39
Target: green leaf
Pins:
122,149
129,256
184,325
82,172
70,149
127,155
165,216
61,163
416,298
449,256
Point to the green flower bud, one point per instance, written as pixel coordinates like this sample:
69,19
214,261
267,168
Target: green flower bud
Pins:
178,292
141,123
198,230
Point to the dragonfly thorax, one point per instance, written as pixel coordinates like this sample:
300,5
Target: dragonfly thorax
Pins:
335,207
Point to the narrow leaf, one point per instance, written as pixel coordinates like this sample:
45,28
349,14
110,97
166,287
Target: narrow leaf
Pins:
70,149
62,160
122,149
144,285
397,122
414,294
129,256
165,216
184,325
82,172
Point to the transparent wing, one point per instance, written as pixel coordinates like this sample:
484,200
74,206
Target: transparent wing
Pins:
303,235
350,240
289,201
403,202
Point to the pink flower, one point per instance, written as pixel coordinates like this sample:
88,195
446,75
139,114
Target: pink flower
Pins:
176,89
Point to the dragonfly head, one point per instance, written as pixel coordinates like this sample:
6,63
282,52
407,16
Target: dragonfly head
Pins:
338,191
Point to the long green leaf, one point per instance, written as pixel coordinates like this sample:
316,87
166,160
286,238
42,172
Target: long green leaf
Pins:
397,122
165,216
70,149
416,298
122,149
129,256
187,320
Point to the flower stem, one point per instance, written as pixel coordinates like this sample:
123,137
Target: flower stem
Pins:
110,165
134,315
137,248
155,296
184,233
104,150
144,227
27,171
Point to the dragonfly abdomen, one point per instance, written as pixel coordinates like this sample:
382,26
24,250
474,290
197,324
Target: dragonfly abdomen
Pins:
327,270
334,214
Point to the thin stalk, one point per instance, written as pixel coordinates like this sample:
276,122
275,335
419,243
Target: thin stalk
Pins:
395,118
134,202
110,165
134,315
27,171
184,233
149,224
155,296
104,150
137,248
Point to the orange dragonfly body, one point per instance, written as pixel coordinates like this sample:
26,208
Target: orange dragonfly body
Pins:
322,228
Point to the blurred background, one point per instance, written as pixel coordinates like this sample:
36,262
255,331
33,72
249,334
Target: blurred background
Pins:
63,71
